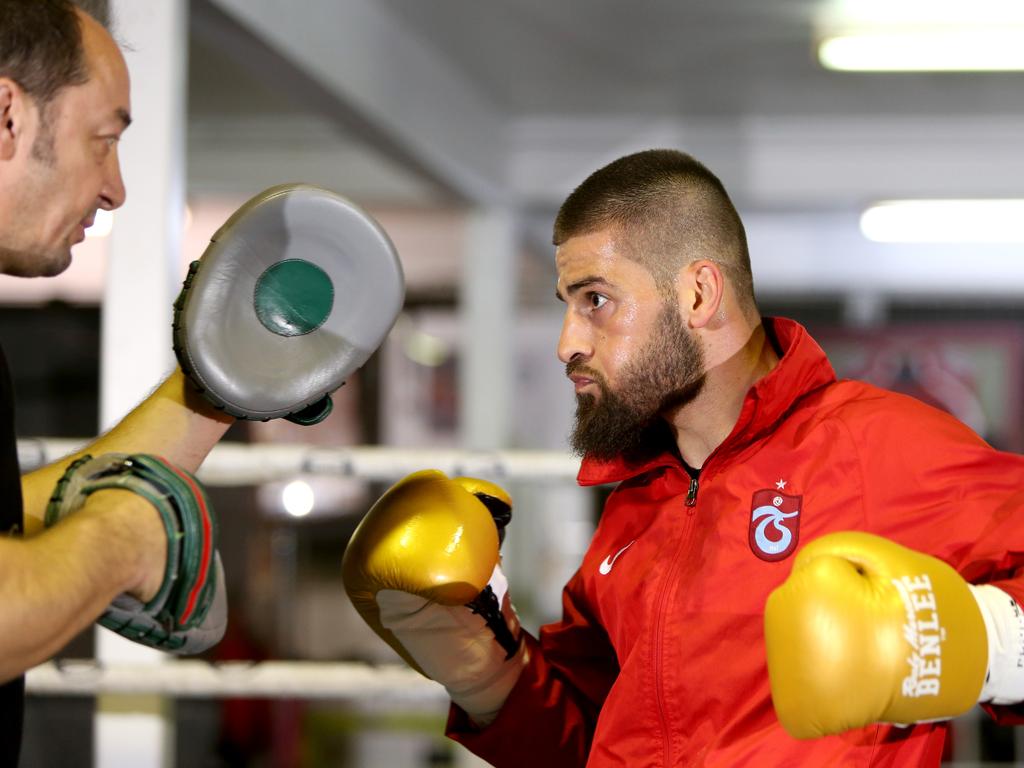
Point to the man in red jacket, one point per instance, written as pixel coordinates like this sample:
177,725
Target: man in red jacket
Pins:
734,448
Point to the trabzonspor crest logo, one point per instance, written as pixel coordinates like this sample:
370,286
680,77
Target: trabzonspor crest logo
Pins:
774,524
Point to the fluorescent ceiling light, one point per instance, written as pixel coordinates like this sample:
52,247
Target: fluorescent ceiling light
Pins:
936,50
945,221
911,35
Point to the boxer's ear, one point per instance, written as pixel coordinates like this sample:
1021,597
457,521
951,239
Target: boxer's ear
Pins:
700,286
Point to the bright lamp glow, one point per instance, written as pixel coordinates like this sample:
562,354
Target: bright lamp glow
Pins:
949,50
102,223
945,221
922,35
298,498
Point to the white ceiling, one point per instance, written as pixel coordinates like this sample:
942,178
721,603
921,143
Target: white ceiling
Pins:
673,58
427,102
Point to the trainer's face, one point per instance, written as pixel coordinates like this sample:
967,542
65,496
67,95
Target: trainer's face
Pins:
60,164
627,350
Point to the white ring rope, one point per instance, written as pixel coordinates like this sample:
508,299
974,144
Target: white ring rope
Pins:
237,679
237,464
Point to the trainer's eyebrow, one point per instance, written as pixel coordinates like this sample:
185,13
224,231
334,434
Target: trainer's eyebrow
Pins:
126,119
581,283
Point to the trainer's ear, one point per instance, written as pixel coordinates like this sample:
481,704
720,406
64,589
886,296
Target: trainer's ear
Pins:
701,287
12,108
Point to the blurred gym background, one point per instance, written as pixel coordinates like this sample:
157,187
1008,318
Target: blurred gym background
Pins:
461,126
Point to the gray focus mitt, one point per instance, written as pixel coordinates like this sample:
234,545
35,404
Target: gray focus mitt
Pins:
293,294
189,612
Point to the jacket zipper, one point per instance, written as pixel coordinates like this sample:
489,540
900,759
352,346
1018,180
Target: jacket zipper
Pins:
691,495
659,631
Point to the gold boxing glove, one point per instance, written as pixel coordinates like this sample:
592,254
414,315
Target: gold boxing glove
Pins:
865,631
423,570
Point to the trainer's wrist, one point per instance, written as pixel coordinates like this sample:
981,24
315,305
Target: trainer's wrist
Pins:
181,390
137,532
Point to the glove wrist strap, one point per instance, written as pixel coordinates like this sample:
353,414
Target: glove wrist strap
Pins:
484,701
461,647
1004,625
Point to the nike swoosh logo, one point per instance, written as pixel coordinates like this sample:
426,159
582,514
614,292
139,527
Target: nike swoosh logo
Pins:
606,567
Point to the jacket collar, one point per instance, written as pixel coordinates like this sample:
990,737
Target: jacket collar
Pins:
803,367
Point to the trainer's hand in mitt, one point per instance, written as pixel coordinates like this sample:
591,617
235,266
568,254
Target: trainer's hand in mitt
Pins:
189,612
293,294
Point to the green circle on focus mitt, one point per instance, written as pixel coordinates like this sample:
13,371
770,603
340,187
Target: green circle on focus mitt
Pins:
293,297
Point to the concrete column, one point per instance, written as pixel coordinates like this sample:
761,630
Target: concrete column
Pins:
143,277
865,309
487,315
487,319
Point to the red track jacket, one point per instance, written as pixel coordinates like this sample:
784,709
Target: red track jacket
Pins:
659,657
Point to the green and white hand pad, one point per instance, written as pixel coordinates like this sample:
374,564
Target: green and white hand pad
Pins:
293,294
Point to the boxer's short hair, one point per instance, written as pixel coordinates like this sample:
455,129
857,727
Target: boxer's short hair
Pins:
670,209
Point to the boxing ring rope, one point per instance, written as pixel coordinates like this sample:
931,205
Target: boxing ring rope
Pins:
337,681
239,464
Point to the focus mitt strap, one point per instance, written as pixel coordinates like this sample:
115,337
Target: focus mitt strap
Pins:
293,295
188,614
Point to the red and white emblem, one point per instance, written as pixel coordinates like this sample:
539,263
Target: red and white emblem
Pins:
774,524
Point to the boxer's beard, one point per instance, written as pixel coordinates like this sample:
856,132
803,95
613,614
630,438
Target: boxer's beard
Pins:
666,374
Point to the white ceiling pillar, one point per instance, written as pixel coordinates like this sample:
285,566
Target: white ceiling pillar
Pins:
487,307
142,279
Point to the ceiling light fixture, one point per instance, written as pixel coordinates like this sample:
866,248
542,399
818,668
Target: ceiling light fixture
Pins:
298,498
944,221
916,36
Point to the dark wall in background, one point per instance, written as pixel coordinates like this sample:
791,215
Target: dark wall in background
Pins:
53,352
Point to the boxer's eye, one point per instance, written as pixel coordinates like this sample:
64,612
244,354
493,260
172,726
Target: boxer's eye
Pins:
596,300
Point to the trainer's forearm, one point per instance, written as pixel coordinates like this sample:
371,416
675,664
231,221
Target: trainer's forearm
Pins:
174,422
54,585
